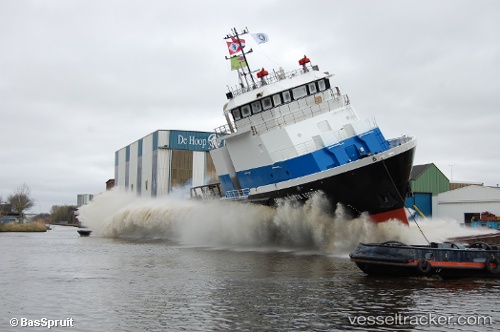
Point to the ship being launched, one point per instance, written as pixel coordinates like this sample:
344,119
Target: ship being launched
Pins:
292,134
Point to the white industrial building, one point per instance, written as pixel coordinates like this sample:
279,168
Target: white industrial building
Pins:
164,160
83,199
464,203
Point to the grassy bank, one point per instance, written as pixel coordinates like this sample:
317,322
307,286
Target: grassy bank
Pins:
29,227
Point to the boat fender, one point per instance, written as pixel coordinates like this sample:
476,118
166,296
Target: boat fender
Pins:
424,266
495,269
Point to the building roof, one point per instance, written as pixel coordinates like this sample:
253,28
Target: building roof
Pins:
417,170
471,194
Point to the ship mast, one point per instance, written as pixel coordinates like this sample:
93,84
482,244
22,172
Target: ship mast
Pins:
235,37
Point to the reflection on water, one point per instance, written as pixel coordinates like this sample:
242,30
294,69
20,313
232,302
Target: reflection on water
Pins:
172,266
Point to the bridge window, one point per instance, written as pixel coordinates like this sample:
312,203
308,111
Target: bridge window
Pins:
277,100
312,88
266,103
280,99
321,85
299,92
256,107
287,97
245,111
236,114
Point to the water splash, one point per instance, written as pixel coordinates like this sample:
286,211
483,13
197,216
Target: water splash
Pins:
229,224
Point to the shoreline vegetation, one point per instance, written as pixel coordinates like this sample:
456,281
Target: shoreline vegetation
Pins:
28,227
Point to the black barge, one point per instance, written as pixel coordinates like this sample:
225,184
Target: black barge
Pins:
447,259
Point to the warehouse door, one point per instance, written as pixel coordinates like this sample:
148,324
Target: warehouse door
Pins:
423,201
182,168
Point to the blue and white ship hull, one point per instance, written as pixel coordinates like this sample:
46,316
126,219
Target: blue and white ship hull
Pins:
366,185
291,135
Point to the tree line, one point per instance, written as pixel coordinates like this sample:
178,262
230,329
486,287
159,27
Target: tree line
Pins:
21,201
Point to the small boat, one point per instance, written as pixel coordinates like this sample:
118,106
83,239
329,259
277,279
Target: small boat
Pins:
292,135
446,259
84,232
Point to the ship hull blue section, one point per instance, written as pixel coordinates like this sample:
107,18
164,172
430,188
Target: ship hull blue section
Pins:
378,188
226,183
349,150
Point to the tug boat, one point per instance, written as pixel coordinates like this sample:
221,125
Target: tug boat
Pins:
447,259
291,135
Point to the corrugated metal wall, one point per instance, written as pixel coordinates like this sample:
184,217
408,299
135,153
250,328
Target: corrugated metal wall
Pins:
182,167
428,184
147,165
152,167
432,180
423,201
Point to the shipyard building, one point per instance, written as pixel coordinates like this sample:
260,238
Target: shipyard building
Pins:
435,196
164,160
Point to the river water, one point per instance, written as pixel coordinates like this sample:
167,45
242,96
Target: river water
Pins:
171,265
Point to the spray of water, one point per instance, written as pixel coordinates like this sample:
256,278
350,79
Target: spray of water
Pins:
216,223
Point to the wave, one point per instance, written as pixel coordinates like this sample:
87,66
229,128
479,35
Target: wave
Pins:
218,223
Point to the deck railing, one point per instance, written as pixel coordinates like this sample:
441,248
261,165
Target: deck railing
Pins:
237,194
273,77
286,114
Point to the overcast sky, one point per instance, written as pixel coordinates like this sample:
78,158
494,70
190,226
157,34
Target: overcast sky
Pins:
79,80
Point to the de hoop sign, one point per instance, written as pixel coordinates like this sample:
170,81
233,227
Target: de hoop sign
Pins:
190,140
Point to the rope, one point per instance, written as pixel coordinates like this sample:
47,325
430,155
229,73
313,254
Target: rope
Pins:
403,200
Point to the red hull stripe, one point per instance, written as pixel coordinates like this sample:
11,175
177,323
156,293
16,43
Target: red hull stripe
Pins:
442,264
456,264
394,214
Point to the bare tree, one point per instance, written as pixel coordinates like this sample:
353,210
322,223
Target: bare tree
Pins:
21,200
